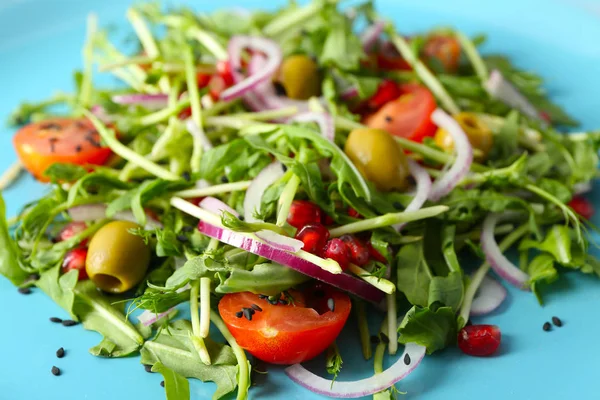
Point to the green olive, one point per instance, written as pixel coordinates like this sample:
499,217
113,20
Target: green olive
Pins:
479,134
300,78
117,260
378,158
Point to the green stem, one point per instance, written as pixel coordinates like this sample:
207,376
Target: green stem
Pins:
159,116
567,212
387,220
197,339
380,283
482,271
287,21
205,306
212,190
473,55
392,318
85,92
208,41
363,328
125,152
423,72
243,364
135,60
194,95
286,199
380,349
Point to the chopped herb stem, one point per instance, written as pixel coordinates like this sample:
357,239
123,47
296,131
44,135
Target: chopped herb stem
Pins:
380,283
286,199
207,40
216,189
196,337
392,318
194,96
159,116
288,21
363,328
473,55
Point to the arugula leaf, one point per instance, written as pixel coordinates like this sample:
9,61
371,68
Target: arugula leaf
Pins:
414,275
96,180
62,172
173,348
433,327
176,386
541,270
120,338
59,287
557,242
342,48
448,290
506,140
9,259
266,278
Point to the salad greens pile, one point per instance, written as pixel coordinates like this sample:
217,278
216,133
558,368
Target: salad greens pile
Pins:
177,140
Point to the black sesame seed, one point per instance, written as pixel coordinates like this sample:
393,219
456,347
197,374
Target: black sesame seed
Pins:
224,179
388,119
263,296
148,368
69,322
273,302
162,383
557,321
24,290
182,238
60,353
247,313
384,338
547,327
241,218
331,305
256,307
33,277
283,302
280,89
397,205
186,176
56,320
78,148
55,371
239,314
284,167
187,228
407,359
375,339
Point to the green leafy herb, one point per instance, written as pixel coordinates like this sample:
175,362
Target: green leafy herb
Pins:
433,327
176,386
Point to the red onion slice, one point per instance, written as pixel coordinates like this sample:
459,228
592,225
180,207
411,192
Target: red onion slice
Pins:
371,34
423,182
150,101
265,178
245,241
266,46
198,134
498,261
349,93
94,212
148,318
323,119
464,156
489,297
363,387
500,88
216,206
280,242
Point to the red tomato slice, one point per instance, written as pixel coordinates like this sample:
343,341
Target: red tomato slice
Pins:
287,334
408,116
59,140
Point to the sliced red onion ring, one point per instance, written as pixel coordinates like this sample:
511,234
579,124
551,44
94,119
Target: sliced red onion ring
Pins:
265,178
498,261
371,34
216,206
464,156
150,101
363,387
342,280
274,58
489,297
198,134
500,88
280,242
323,119
148,318
423,181
94,212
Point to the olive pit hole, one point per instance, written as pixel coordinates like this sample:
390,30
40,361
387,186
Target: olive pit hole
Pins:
108,283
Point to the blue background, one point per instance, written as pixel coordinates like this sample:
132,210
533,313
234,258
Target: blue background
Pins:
40,44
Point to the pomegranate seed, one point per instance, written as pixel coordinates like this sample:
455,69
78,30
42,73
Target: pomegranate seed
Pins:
314,237
327,220
353,213
582,206
303,212
224,71
359,253
479,340
72,229
338,251
186,113
75,260
203,80
376,255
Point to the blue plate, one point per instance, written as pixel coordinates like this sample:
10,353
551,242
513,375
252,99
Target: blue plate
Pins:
40,44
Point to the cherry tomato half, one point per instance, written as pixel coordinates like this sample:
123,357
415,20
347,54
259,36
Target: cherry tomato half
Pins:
444,50
408,116
59,140
287,333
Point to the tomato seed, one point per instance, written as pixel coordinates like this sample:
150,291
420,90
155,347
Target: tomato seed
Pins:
407,359
55,371
557,322
60,353
547,327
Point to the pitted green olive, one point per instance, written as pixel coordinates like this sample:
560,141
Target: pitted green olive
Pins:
479,134
378,158
117,260
300,78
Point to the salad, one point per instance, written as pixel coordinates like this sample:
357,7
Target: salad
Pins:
273,172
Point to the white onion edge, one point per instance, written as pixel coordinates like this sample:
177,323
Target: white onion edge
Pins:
265,178
489,297
148,318
93,212
279,241
216,206
422,192
500,88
